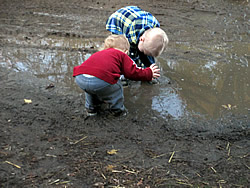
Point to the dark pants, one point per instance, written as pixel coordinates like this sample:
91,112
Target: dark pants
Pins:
140,58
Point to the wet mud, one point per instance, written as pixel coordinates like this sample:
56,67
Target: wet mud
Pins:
191,130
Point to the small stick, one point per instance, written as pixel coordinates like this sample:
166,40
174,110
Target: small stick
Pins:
229,158
228,153
63,182
116,171
198,174
159,156
227,145
80,140
169,161
247,166
103,176
130,171
213,169
185,183
12,164
55,181
222,181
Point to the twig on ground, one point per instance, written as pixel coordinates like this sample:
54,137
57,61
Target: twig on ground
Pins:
80,140
213,169
169,161
17,166
157,156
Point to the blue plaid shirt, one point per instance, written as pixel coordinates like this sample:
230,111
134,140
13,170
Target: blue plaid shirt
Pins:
131,21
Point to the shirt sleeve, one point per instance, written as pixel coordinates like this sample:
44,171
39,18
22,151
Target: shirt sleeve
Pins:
114,24
132,72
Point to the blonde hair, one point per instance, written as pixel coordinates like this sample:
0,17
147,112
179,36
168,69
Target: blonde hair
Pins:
156,41
116,41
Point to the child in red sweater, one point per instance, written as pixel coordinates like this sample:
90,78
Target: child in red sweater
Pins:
99,75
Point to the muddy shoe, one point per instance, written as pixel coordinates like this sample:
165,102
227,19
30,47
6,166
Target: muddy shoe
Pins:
119,113
124,83
91,112
124,80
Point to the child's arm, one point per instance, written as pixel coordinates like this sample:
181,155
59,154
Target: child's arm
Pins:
132,72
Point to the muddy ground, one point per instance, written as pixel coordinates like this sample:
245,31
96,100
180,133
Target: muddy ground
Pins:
51,143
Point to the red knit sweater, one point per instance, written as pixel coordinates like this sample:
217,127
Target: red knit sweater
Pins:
109,64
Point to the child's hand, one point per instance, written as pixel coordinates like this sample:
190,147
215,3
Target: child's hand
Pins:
155,70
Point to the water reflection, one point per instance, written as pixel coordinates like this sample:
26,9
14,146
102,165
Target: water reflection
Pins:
169,104
207,84
48,61
55,65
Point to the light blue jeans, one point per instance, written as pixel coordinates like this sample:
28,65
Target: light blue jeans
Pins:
98,91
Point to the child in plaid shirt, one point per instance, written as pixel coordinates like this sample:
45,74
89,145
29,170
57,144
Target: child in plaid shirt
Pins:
142,30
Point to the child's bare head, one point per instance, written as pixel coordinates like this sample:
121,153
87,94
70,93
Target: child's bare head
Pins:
119,42
153,42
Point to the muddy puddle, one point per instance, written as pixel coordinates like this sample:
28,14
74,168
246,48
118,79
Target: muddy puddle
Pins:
213,84
207,87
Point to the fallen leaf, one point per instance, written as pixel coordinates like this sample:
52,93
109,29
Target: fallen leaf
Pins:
112,152
110,167
228,106
28,101
224,106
